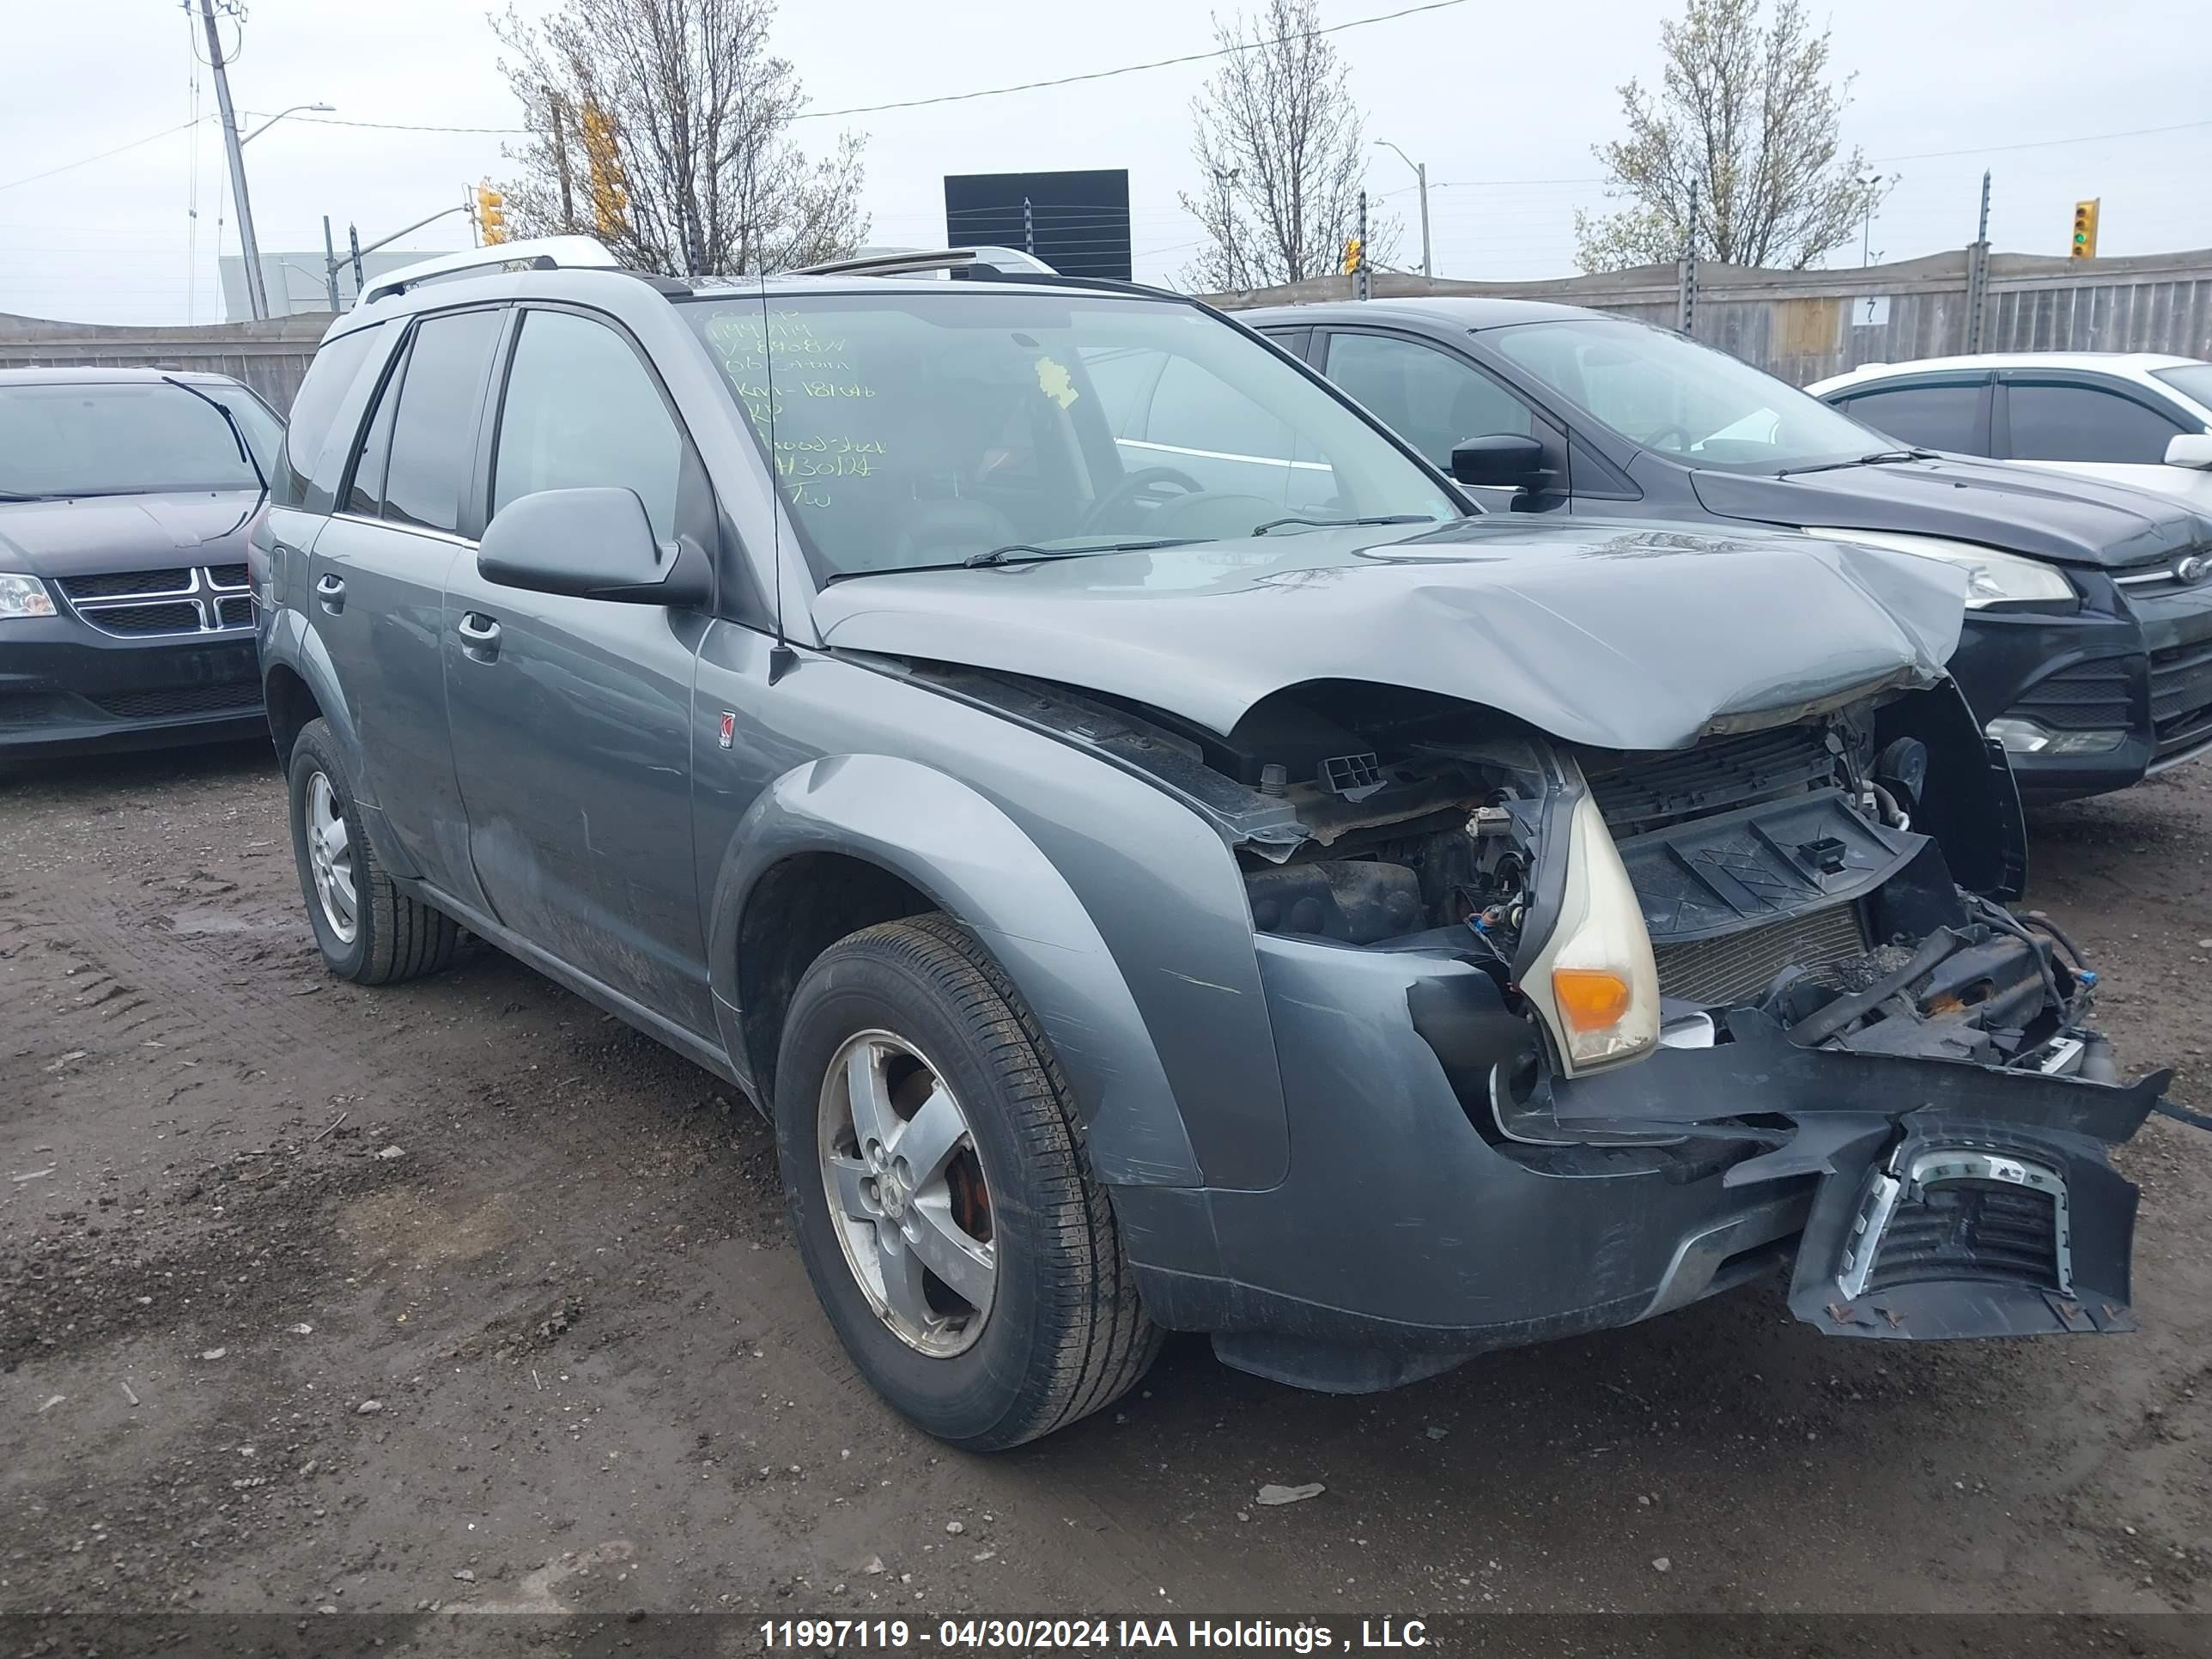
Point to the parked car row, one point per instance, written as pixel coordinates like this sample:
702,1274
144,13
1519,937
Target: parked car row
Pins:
1165,857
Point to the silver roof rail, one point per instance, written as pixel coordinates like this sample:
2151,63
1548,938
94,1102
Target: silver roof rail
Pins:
538,253
905,262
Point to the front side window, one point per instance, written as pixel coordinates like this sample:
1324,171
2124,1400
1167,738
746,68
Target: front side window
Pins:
129,438
581,410
923,429
1933,416
431,436
1673,395
1433,401
2056,422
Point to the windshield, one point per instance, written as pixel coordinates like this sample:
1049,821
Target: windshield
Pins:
912,429
1674,395
2192,380
128,438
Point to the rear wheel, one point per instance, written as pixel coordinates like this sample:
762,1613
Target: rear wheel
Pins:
369,931
945,1209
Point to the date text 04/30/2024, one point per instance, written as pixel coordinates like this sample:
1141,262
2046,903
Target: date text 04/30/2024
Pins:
1095,1635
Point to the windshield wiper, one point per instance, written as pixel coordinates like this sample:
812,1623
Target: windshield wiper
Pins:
1333,524
27,495
1026,550
1880,457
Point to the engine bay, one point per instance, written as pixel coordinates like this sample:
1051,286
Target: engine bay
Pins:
1796,864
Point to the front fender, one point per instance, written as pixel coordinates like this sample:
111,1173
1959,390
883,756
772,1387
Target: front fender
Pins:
951,842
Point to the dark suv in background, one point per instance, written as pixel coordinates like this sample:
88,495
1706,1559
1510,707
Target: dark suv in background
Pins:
126,499
2088,651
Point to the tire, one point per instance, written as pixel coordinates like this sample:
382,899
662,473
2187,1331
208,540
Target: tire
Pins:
394,937
922,1004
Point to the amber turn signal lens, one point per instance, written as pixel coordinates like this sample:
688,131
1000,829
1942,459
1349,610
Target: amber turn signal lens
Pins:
1591,999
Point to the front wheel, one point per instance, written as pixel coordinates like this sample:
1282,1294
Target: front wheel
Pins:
945,1212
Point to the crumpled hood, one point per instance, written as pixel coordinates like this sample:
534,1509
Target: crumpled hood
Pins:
85,535
1621,635
2062,516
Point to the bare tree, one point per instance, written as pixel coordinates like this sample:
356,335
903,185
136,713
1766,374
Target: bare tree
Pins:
1748,110
663,127
1281,151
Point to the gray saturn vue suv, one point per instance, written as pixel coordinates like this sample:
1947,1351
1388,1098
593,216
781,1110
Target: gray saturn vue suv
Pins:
1159,883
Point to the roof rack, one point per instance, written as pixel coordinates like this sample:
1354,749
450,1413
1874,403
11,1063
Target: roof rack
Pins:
903,262
540,253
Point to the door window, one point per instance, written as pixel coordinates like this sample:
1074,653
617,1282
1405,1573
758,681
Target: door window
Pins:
2051,422
315,411
365,493
1931,416
432,437
582,411
1433,401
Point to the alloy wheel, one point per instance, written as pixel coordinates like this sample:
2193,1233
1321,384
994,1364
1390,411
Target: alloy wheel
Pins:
330,858
908,1199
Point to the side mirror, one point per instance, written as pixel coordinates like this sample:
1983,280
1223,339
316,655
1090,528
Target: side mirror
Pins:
2192,449
595,544
1505,460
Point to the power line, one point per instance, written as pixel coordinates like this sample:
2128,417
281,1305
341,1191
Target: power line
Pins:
1126,68
87,161
2042,143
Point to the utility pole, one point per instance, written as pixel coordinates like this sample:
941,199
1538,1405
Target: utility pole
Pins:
1421,175
331,265
1686,292
249,245
1421,172
1977,274
555,126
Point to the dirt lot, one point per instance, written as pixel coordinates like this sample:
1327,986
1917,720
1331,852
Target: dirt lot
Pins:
462,1295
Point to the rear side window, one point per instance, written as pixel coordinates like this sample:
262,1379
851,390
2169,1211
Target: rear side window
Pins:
432,436
2055,423
330,377
1931,416
581,410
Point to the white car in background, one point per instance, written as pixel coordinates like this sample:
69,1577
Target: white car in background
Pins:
2133,417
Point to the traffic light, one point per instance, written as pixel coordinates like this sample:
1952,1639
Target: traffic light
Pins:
603,161
491,214
2085,230
1355,252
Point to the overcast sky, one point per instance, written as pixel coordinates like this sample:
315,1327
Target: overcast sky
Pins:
1502,101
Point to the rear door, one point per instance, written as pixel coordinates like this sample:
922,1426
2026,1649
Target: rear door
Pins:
571,718
377,579
1948,411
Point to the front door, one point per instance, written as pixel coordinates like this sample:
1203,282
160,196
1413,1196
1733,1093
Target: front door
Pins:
572,718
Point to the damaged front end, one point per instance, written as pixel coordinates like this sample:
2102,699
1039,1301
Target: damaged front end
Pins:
1773,967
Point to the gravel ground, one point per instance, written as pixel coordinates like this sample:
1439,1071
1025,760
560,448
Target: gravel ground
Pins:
461,1295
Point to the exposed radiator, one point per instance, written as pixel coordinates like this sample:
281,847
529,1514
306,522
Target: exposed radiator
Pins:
1737,966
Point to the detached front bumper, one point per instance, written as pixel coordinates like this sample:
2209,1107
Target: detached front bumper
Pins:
1411,1233
67,688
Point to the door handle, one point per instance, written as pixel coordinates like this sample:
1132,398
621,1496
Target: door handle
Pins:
479,634
331,590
